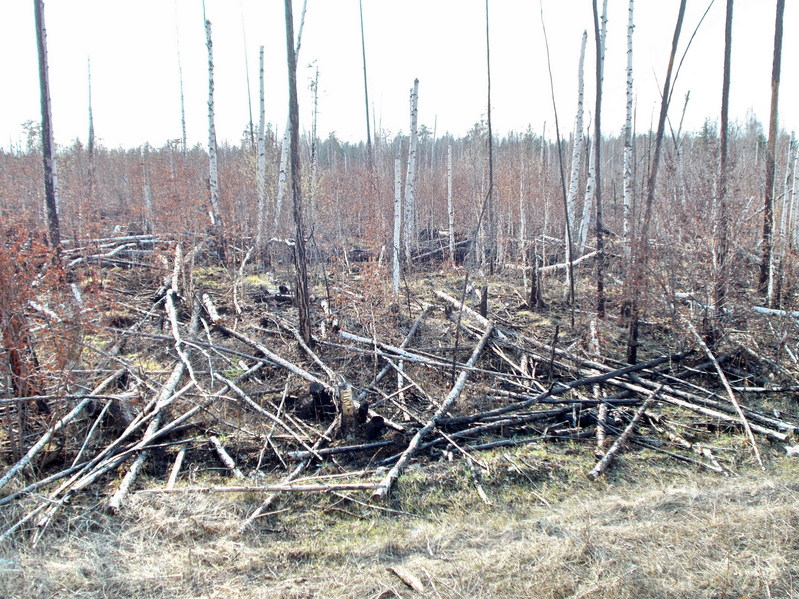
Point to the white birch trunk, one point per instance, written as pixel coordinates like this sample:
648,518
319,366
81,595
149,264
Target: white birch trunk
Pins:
450,209
397,219
213,170
90,149
786,192
627,209
577,159
522,224
314,152
260,165
795,200
588,203
180,82
410,179
147,192
281,178
577,149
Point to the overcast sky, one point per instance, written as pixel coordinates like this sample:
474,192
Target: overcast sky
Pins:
133,47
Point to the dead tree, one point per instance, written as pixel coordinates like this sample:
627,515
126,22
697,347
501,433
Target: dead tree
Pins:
766,280
213,168
640,255
721,221
300,258
48,150
365,91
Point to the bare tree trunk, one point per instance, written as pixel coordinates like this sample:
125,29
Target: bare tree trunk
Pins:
640,256
282,175
300,259
314,154
48,149
247,77
627,211
90,149
577,147
570,265
260,165
147,192
786,192
599,41
492,217
284,150
397,219
450,210
183,148
590,186
766,280
794,225
213,166
409,208
365,91
721,220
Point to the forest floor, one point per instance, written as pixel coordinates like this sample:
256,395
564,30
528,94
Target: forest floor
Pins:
493,506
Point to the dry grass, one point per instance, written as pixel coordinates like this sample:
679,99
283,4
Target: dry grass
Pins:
644,532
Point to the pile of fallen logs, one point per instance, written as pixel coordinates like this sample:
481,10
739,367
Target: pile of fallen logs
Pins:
127,251
243,391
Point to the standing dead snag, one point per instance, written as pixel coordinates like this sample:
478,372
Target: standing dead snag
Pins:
213,169
766,282
385,486
409,206
300,259
48,151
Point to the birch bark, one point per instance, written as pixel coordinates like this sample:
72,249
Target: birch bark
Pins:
260,165
409,228
450,211
213,171
397,219
628,183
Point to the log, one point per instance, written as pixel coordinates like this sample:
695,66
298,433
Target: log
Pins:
173,475
224,456
284,488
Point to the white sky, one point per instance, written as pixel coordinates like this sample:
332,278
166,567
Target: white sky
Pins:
135,92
